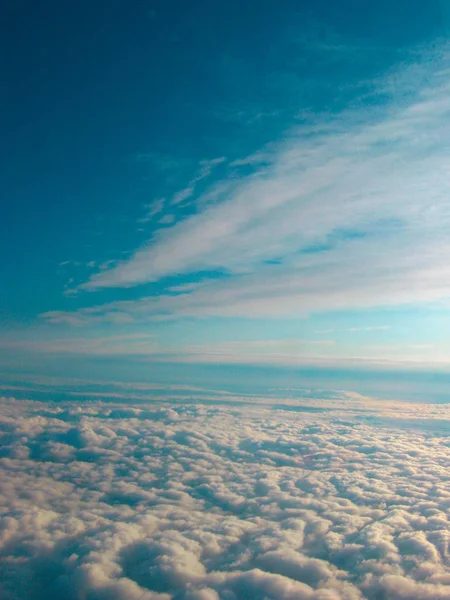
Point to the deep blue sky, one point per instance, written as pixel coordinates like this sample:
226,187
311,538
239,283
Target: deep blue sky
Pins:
121,126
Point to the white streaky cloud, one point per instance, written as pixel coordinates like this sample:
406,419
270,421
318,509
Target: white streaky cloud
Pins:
288,352
136,343
157,206
288,346
370,360
356,329
284,352
146,344
370,189
206,168
193,502
370,328
153,209
360,273
166,219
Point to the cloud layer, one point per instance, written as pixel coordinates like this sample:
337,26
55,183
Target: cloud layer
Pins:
338,500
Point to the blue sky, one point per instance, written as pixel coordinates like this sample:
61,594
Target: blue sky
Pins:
253,183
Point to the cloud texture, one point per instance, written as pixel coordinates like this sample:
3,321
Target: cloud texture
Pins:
121,502
331,211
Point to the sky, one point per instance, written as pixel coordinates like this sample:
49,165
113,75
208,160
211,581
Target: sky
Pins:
225,300
224,184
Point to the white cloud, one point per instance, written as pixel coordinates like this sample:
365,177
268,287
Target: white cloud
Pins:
356,329
206,168
136,343
153,209
287,352
116,501
370,187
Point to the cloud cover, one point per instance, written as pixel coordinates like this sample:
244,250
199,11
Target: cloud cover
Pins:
339,500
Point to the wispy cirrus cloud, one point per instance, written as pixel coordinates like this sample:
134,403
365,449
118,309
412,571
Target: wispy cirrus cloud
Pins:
206,168
136,343
347,212
282,352
356,329
143,344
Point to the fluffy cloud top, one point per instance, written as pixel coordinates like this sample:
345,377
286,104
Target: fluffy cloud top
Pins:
122,502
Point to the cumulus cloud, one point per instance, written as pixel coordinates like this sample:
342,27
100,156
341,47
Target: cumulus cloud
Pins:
159,502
